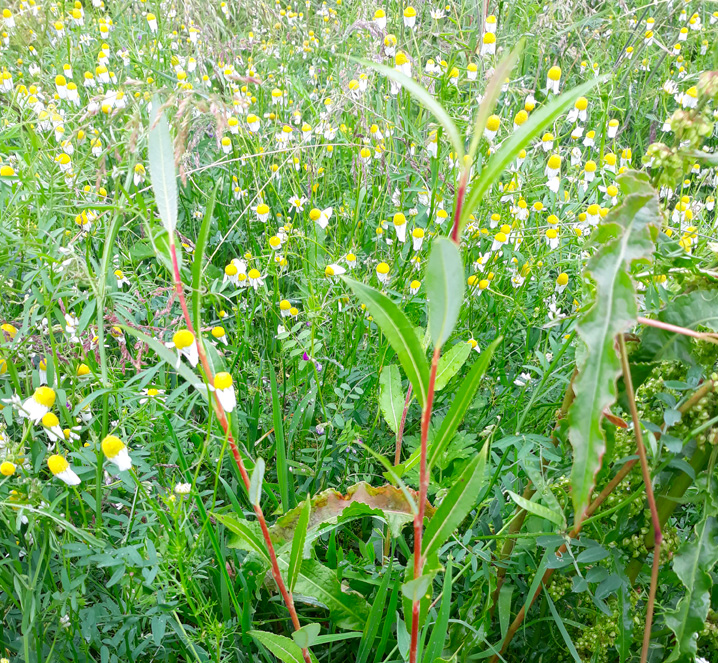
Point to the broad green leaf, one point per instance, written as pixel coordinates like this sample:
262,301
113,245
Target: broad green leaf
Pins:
199,256
625,237
248,534
255,483
285,649
307,635
444,289
693,564
300,536
508,150
424,97
449,364
162,169
538,509
456,413
456,505
347,610
440,629
400,334
391,396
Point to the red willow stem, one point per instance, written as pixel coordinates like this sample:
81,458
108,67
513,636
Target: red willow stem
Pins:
222,418
423,490
657,534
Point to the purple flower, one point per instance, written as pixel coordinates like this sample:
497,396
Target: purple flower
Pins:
305,357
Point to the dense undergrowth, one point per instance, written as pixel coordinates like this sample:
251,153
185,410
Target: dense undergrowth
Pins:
317,327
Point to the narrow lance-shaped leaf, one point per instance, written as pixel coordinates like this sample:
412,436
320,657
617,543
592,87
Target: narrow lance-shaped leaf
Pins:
456,505
441,626
456,412
400,334
162,169
300,536
199,256
693,564
450,362
391,397
255,483
538,509
492,93
444,289
426,99
625,236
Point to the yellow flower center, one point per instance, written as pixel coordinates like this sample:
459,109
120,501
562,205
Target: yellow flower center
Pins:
44,396
183,339
50,420
218,332
57,464
112,445
382,268
222,380
83,369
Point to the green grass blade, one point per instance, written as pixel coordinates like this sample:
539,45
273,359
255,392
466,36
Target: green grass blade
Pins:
562,628
284,478
441,627
373,623
538,509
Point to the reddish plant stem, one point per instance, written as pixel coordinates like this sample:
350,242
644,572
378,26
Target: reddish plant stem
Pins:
459,207
222,418
658,535
423,490
666,326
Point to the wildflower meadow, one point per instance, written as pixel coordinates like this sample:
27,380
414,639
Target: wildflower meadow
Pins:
356,332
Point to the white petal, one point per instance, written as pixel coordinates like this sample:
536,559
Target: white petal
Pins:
69,477
122,460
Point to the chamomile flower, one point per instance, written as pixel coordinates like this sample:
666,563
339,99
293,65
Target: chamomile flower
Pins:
417,238
184,342
262,212
553,80
38,405
399,221
409,17
7,469
351,260
382,272
414,286
61,469
224,388
334,270
488,44
321,217
219,334
380,18
116,452
152,394
121,278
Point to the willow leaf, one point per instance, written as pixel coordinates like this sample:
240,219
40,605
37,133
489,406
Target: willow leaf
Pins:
693,564
625,237
400,334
